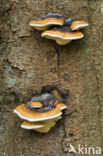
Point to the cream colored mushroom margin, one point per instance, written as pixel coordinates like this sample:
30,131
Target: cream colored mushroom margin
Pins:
77,25
41,122
61,37
46,21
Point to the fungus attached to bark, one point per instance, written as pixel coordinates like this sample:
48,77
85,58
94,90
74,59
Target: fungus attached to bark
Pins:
47,21
24,113
41,112
62,35
76,24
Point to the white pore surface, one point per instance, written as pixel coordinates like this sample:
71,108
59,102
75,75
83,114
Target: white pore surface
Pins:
64,107
32,126
64,38
80,26
49,23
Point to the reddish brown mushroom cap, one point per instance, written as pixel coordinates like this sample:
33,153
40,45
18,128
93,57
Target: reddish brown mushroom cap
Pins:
62,35
32,116
41,112
77,25
46,21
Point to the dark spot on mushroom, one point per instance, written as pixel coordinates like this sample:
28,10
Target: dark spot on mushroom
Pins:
63,29
46,99
42,109
69,21
62,92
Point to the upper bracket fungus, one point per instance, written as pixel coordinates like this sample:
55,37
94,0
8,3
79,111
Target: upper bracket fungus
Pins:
41,112
76,24
47,21
64,31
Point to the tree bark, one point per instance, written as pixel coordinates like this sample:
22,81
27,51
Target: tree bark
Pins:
28,63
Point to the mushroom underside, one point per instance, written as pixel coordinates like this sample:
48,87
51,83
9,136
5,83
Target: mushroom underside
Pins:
42,127
61,40
79,26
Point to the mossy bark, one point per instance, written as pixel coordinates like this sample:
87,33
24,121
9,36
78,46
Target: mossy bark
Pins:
28,63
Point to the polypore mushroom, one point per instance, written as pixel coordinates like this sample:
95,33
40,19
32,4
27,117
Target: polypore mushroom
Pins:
47,21
76,24
62,35
24,113
41,113
42,127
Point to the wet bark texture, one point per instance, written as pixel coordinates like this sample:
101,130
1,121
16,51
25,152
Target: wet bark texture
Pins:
28,63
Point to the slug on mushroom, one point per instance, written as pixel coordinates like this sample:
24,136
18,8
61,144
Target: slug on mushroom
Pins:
47,21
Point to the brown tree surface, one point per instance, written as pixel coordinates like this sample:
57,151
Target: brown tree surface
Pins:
28,63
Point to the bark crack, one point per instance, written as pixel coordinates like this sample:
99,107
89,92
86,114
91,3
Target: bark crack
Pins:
99,110
63,117
15,68
58,62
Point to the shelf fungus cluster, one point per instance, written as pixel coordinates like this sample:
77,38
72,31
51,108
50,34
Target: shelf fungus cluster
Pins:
55,27
41,113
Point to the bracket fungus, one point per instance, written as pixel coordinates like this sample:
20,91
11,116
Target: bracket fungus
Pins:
62,35
41,113
75,24
47,21
64,30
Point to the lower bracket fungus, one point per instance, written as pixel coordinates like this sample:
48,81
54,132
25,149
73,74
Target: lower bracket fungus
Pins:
41,113
62,35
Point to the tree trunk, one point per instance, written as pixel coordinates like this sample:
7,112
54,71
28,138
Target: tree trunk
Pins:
29,63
